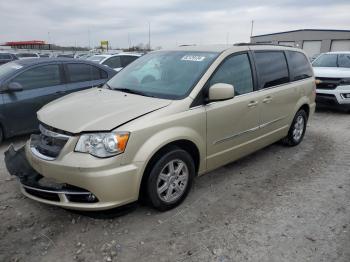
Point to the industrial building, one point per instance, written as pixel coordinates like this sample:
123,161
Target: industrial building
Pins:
312,41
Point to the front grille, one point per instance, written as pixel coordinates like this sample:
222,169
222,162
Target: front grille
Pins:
45,195
328,83
48,143
48,189
326,95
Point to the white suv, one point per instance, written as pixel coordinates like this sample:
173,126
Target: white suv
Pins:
332,71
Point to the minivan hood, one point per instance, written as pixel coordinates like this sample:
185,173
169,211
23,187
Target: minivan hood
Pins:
97,109
336,72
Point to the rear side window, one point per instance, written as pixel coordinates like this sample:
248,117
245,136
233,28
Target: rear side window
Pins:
127,60
299,65
38,77
272,68
113,62
235,71
83,72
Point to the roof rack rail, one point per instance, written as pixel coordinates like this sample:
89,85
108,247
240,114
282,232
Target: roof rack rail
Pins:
249,44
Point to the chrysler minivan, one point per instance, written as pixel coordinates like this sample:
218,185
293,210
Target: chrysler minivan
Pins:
164,119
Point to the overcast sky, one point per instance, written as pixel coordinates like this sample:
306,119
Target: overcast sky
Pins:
173,22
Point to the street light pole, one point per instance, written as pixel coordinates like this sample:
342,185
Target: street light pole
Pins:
149,36
252,28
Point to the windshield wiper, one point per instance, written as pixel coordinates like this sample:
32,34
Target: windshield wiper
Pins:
132,91
108,86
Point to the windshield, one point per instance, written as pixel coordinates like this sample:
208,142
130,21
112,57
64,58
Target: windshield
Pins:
9,68
164,74
96,58
344,60
332,60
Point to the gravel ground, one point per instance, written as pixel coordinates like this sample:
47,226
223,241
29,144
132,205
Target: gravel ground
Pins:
279,204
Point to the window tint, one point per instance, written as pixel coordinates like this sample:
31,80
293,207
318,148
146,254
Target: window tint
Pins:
5,56
42,76
299,66
104,74
344,60
272,68
235,71
113,62
326,60
83,72
127,60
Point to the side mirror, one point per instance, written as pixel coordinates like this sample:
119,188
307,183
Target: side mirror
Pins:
14,87
220,92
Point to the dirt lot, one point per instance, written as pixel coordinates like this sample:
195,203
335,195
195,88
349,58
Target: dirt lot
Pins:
279,204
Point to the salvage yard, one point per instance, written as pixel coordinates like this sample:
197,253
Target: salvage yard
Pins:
279,204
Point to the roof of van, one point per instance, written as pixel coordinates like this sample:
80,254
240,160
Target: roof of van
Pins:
339,52
238,47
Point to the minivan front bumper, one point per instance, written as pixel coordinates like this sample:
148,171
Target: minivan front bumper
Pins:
70,186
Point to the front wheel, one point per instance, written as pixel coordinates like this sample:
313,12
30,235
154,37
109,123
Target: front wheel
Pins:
297,130
170,179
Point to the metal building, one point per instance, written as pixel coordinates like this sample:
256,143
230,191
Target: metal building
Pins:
313,41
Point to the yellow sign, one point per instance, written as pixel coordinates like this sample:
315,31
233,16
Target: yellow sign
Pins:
104,44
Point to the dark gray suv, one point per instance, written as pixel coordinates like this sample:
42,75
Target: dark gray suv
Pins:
27,85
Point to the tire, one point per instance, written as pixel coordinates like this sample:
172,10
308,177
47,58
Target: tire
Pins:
170,179
297,129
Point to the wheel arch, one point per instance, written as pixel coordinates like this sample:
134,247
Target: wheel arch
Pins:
183,143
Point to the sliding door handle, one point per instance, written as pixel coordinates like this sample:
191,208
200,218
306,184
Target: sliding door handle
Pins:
267,99
253,103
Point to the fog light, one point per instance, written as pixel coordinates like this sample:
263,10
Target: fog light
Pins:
347,95
91,198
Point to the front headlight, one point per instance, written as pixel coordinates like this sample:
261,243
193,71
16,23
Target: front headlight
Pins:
103,144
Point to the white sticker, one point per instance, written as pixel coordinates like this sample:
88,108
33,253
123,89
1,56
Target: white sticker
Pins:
193,58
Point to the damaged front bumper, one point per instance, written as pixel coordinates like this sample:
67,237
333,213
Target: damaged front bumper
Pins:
42,189
74,180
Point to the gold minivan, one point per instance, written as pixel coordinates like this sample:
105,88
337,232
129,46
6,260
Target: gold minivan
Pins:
164,119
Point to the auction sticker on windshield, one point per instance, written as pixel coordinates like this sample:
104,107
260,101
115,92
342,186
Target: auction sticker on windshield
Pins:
193,58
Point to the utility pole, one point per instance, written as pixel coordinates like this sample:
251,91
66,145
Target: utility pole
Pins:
149,36
89,38
251,31
129,42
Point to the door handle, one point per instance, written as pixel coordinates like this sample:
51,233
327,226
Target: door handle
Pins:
253,103
60,92
267,99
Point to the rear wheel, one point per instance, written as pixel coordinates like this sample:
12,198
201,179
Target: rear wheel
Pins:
297,130
170,179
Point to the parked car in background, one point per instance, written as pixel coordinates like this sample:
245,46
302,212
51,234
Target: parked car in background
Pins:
65,56
45,55
332,71
27,55
7,57
78,56
27,85
208,106
117,61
